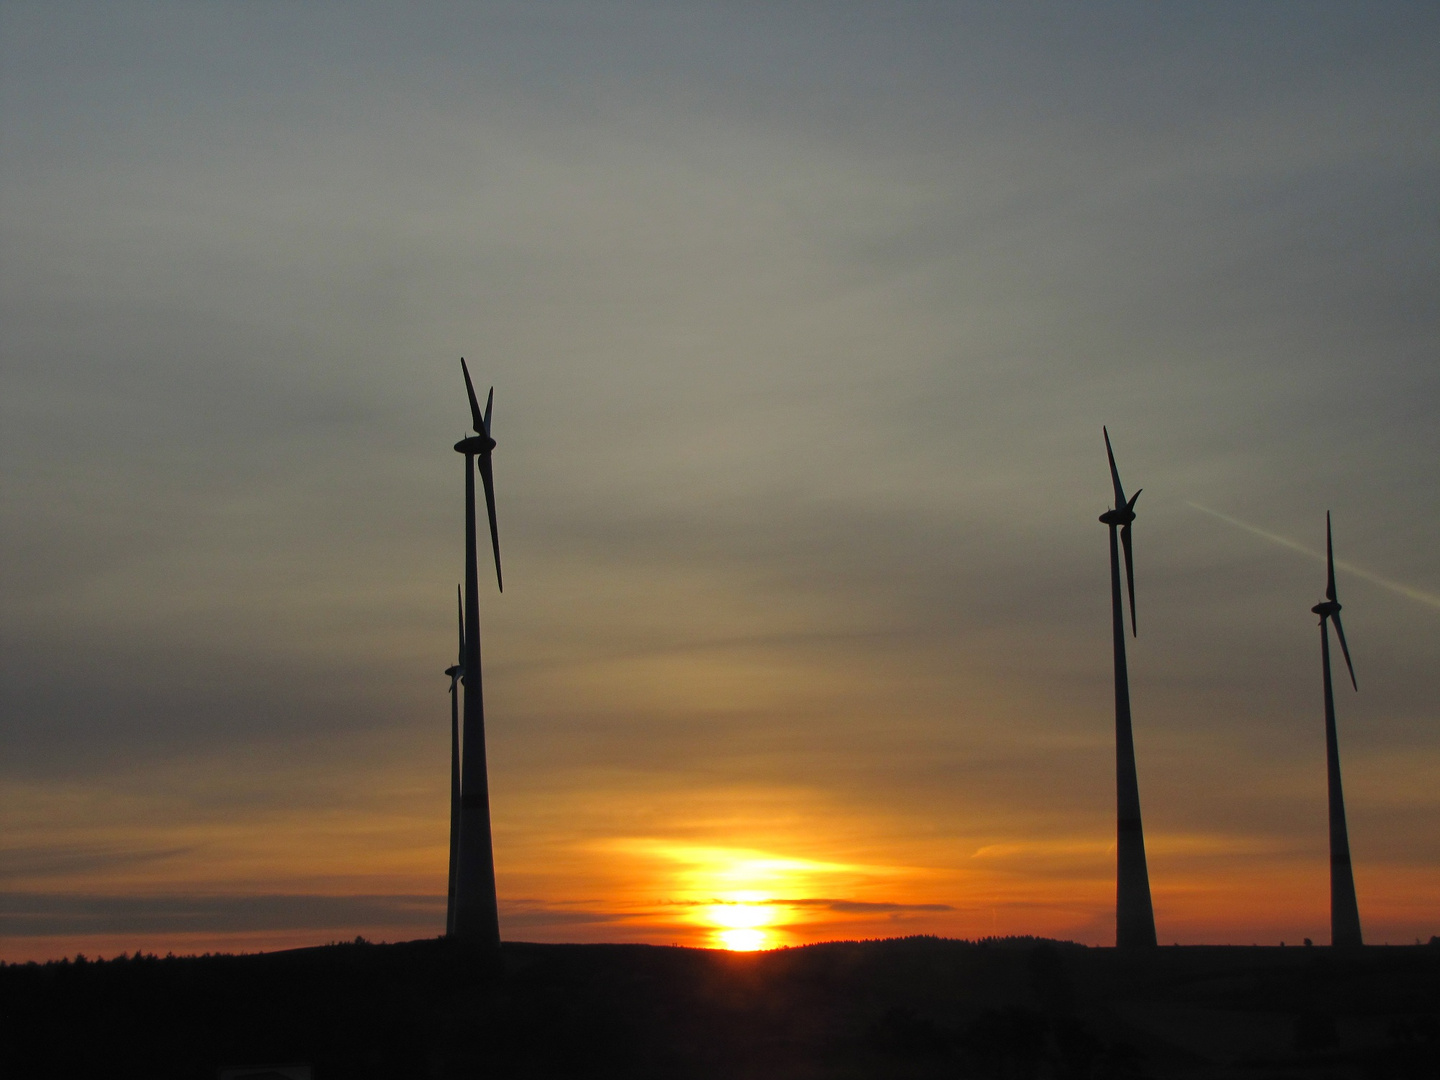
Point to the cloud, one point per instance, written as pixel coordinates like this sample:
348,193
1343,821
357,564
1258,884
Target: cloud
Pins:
848,906
522,915
859,907
59,860
78,914
1420,596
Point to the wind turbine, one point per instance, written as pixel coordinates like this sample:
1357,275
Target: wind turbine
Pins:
455,671
1344,912
1134,916
477,916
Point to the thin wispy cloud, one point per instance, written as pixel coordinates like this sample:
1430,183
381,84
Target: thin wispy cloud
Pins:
1420,596
79,914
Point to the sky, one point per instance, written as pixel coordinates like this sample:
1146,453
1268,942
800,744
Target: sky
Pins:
803,323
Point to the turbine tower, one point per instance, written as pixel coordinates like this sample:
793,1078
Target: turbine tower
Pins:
455,672
1134,917
1344,912
477,916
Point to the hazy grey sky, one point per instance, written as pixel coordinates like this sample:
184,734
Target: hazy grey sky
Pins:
803,324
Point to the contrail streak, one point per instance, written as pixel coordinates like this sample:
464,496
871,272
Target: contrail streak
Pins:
1420,595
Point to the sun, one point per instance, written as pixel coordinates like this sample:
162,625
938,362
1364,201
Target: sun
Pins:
742,939
739,899
740,920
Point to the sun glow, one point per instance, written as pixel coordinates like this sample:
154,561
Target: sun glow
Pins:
742,899
739,940
740,919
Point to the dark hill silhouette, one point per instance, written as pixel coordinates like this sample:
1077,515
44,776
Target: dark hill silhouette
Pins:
912,1007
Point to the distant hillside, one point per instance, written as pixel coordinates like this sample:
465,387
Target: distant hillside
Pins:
912,1007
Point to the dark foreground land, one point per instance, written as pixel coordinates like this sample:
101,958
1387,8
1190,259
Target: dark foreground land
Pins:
915,1007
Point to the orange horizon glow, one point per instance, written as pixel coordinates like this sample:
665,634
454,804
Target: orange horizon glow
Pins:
746,870
747,900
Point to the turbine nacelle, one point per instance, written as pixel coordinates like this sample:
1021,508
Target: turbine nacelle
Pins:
1327,608
475,444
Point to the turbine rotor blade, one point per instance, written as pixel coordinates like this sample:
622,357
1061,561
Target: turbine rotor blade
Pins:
489,479
1129,574
1340,633
478,420
488,402
460,618
1114,472
1329,560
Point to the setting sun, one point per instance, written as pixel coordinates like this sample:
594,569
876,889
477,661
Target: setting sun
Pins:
740,919
742,940
743,899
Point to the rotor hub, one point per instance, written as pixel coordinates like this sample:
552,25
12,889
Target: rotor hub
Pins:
475,444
